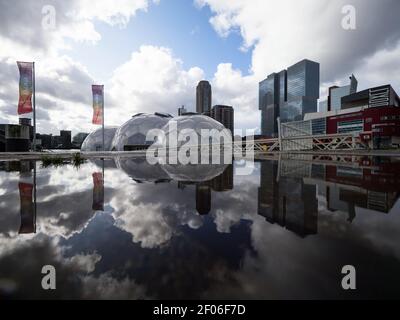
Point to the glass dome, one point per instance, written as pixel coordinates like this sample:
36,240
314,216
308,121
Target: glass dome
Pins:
197,123
132,134
141,171
94,141
194,173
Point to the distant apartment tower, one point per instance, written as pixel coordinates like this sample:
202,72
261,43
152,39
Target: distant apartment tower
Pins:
224,115
289,94
181,111
203,97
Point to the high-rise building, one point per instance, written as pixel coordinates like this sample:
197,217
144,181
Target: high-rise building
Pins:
203,97
65,139
289,95
181,111
336,94
269,104
224,115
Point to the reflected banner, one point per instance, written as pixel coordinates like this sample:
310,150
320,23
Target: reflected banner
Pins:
98,103
25,87
98,192
27,209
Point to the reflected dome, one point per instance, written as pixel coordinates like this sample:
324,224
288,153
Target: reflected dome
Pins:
193,172
132,134
94,141
141,171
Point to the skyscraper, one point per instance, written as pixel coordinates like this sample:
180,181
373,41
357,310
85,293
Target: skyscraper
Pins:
203,97
181,111
224,115
289,95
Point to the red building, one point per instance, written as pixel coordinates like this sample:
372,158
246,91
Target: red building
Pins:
373,114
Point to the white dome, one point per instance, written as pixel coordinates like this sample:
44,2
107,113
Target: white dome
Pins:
197,123
94,141
141,171
134,131
194,173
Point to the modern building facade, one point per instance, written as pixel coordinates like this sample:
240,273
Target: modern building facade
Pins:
14,138
203,97
224,115
334,101
65,139
373,115
289,95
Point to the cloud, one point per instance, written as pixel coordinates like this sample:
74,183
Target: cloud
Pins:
152,80
280,33
62,84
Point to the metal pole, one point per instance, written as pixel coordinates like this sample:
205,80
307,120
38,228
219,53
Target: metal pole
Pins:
34,107
104,149
278,120
34,195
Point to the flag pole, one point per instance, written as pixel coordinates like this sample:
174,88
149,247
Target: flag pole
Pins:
34,194
34,106
104,149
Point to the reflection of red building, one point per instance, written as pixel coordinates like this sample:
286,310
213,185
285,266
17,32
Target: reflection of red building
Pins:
382,177
375,184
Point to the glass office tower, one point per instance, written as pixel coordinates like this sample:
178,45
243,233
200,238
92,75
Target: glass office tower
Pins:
302,91
269,104
290,94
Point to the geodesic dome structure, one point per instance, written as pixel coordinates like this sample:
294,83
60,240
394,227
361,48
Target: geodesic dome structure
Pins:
197,123
132,134
194,172
94,141
141,171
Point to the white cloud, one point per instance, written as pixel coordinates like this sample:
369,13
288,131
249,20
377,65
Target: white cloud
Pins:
280,33
152,80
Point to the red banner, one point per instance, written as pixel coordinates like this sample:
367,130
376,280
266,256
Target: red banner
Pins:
27,209
25,87
98,191
98,103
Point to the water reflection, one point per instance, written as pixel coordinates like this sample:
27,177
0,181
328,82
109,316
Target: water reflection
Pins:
124,229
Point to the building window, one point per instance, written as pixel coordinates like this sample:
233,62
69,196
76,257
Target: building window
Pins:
350,126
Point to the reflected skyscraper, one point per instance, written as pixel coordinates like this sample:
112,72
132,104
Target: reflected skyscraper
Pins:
221,183
203,199
289,202
289,94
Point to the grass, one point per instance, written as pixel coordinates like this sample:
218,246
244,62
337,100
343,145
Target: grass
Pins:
48,161
77,160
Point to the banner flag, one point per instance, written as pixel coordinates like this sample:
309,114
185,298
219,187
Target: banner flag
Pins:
25,87
98,192
27,208
98,103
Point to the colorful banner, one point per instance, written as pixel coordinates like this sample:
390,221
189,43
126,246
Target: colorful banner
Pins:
27,209
25,87
98,192
98,103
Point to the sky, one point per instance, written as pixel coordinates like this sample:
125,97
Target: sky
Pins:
150,54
